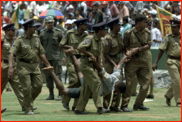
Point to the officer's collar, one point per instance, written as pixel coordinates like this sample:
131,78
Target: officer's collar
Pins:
95,37
51,29
112,34
177,36
7,38
136,31
76,32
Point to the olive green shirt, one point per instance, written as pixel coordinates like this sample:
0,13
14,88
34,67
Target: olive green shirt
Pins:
92,45
50,40
27,49
72,38
113,44
170,46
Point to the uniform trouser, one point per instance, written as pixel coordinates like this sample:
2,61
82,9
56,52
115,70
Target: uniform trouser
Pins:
91,84
73,79
14,82
57,69
31,81
116,96
139,67
174,69
134,85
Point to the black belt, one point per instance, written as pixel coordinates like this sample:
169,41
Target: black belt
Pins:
5,61
77,56
176,58
25,61
84,57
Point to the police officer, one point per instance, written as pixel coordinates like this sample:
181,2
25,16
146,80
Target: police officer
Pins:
171,44
91,47
113,45
28,50
6,43
71,41
137,42
50,39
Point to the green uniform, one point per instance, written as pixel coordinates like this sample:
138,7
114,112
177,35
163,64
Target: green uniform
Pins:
50,40
91,80
72,38
172,49
138,65
113,45
15,83
27,52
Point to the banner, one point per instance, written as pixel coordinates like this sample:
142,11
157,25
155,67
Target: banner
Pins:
164,19
14,18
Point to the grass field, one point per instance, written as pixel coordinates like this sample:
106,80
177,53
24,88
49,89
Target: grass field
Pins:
53,110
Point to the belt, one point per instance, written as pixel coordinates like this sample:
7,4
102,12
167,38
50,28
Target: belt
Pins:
138,55
5,61
25,61
176,58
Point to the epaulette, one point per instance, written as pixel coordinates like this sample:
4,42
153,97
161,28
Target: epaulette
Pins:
89,37
108,36
43,30
169,34
147,30
70,31
35,35
129,31
57,29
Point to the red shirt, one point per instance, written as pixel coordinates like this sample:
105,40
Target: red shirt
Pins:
89,3
114,10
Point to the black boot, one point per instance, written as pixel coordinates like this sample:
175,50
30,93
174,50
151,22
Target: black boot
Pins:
51,95
59,97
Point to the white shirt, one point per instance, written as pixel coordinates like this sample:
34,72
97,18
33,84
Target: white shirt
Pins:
156,34
139,6
32,6
108,81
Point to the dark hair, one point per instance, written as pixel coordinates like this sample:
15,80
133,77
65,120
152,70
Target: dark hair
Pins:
155,21
89,9
133,15
121,86
94,12
79,10
96,30
125,19
139,18
26,28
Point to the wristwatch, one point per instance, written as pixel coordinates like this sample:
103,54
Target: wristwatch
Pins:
139,49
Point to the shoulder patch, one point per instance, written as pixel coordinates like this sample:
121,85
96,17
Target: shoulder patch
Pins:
42,30
106,43
163,40
86,41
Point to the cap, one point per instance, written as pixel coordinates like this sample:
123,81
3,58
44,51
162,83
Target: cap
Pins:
35,17
153,12
49,19
105,2
113,22
70,7
100,26
9,27
69,22
29,22
37,24
175,23
90,29
73,21
96,3
81,21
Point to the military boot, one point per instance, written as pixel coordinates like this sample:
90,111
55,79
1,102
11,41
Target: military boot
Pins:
51,95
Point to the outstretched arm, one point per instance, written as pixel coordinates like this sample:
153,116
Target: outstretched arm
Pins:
59,84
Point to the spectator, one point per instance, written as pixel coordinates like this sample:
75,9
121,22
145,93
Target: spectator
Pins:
68,24
73,24
33,6
83,4
129,6
77,14
156,34
123,11
35,19
98,15
63,8
6,18
126,25
89,14
148,5
27,12
133,16
106,12
36,12
139,7
82,12
114,10
20,30
93,17
89,3
173,7
31,15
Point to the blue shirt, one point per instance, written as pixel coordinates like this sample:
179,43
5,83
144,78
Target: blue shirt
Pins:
21,14
126,27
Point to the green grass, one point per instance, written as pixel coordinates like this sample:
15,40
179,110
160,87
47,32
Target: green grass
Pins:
53,110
